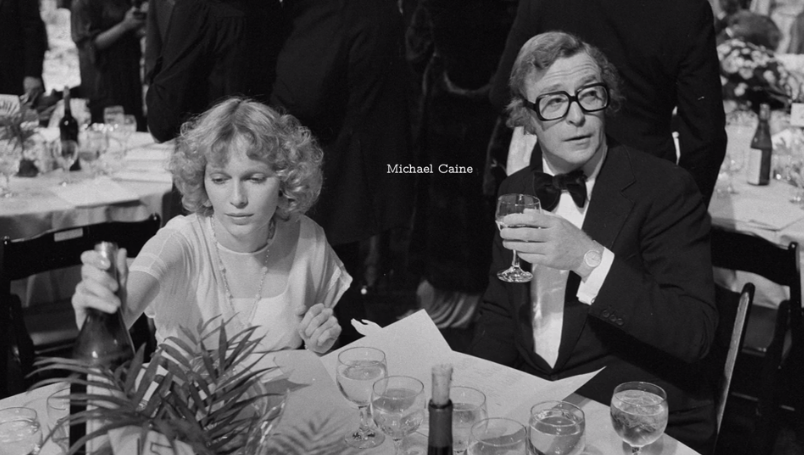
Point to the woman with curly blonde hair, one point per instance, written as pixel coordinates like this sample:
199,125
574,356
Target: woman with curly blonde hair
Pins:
246,252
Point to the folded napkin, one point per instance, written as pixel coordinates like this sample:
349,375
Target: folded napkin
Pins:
99,191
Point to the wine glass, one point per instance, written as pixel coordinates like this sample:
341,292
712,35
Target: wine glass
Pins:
508,204
20,431
556,428
93,145
65,153
127,127
468,408
58,409
397,405
10,157
113,115
498,436
358,369
639,413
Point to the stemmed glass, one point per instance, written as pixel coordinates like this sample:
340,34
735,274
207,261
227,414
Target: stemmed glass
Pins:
58,408
127,127
468,408
397,405
358,369
65,153
556,428
498,436
639,413
113,115
10,157
732,163
508,204
20,431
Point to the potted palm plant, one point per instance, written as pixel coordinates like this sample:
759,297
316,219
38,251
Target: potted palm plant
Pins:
199,394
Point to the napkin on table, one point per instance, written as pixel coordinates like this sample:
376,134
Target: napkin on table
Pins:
98,191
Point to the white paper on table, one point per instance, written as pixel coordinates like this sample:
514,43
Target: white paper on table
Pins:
509,392
98,191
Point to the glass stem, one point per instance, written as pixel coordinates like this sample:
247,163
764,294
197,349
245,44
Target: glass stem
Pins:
365,420
515,260
397,446
636,450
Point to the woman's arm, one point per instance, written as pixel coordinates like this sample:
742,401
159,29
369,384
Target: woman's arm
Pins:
133,20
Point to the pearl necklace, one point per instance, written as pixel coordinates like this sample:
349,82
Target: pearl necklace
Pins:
222,267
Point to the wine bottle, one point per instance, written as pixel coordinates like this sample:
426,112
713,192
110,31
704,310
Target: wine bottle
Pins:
103,341
439,439
759,155
68,127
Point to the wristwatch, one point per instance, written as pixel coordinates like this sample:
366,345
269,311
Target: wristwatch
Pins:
592,258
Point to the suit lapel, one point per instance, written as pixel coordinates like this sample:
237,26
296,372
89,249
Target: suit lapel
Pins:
607,212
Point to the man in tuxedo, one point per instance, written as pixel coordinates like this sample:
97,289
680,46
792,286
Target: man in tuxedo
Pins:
665,53
619,253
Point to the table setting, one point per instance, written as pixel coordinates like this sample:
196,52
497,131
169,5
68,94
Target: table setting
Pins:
387,375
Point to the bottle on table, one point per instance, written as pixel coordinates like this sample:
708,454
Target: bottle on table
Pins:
759,155
439,439
104,340
68,127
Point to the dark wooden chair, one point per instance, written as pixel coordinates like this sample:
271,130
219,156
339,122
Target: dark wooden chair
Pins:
49,329
734,310
769,365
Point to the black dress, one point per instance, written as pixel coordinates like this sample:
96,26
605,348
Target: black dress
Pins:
110,76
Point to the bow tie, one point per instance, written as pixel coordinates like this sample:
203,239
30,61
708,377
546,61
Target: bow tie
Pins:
548,188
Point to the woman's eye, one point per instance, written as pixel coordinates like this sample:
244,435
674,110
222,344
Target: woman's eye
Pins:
258,179
218,180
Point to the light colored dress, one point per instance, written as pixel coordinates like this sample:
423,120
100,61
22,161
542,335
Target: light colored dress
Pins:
184,257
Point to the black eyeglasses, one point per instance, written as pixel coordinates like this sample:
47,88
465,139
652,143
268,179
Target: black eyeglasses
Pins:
555,105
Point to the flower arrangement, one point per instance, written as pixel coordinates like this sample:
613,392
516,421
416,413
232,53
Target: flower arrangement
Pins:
17,138
208,398
752,75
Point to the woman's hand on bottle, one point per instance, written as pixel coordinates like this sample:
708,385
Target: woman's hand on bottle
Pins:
97,289
319,328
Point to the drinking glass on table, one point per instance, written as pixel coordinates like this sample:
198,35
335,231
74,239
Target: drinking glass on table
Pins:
10,157
509,204
65,153
126,128
639,413
58,409
20,431
358,369
468,408
498,436
397,405
556,428
113,115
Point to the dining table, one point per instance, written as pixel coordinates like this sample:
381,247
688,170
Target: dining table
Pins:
129,182
317,416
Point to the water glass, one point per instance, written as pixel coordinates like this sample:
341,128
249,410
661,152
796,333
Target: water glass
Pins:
498,436
93,147
556,428
20,431
58,409
358,369
509,204
65,153
639,413
468,408
113,115
397,405
10,157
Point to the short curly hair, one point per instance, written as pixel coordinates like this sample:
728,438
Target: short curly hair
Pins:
538,54
265,134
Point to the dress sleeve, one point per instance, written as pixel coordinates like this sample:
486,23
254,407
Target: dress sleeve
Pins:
332,278
85,25
164,258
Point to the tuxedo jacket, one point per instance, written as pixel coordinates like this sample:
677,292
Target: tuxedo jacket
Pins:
23,42
654,318
665,54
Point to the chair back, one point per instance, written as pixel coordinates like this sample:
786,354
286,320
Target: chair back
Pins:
52,250
734,310
780,329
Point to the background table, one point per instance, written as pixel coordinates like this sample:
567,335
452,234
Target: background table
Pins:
37,209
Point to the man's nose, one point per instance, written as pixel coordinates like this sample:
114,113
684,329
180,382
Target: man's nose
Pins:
575,114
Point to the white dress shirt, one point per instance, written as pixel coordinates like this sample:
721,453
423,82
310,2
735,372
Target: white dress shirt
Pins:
549,285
